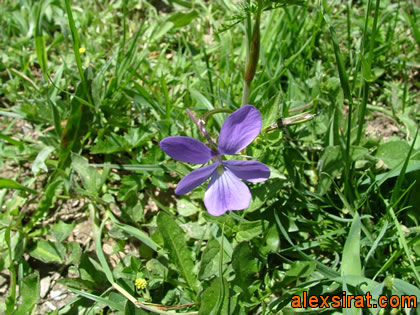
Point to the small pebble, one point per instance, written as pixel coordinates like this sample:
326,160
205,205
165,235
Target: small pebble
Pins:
44,286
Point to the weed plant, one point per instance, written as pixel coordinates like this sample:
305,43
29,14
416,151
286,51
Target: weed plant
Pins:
88,89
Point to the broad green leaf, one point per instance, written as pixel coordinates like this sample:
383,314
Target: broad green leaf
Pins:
62,230
47,201
270,112
364,283
39,163
393,153
301,269
350,262
332,161
186,208
245,265
162,29
92,180
48,252
366,70
251,229
91,271
175,243
270,242
182,19
29,293
77,283
209,264
129,188
74,253
229,223
73,131
215,299
264,192
406,288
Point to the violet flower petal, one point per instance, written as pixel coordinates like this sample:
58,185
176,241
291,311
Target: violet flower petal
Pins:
226,192
186,149
252,171
194,179
239,129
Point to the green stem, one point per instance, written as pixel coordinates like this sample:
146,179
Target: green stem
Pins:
215,111
10,304
254,51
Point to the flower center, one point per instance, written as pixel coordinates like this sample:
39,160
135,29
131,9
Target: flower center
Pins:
217,158
220,169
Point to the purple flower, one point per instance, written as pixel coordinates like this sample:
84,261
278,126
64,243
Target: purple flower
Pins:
225,191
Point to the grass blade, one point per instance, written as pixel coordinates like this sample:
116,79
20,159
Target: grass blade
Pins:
350,262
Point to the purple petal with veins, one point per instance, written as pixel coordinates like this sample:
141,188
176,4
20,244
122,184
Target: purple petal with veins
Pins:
252,171
195,178
239,129
186,149
226,192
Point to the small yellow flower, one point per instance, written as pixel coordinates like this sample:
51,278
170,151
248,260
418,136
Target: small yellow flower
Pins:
82,50
141,283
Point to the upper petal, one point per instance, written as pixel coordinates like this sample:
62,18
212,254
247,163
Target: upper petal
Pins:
239,129
186,149
194,179
252,171
226,192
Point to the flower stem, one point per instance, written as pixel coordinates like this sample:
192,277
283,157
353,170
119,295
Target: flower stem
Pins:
254,52
200,123
215,111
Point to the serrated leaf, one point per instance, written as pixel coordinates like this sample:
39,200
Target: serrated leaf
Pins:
174,240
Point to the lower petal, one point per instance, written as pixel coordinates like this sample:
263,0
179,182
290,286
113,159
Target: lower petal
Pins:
195,179
226,192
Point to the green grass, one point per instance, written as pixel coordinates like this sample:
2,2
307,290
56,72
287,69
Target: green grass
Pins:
88,89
